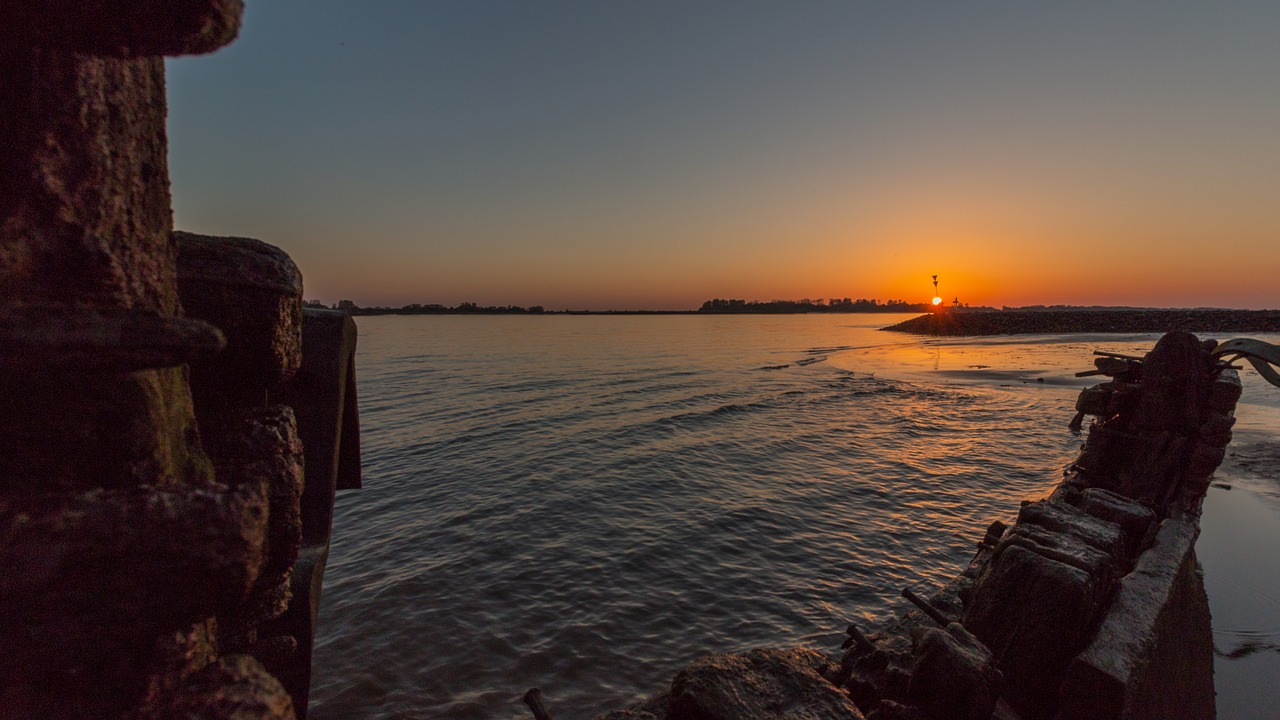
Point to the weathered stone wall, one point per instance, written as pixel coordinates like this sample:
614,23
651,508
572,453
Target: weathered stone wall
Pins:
145,537
1152,655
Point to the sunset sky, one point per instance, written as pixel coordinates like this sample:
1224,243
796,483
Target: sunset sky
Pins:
624,155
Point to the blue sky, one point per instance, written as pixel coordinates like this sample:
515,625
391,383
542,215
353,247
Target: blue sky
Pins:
627,155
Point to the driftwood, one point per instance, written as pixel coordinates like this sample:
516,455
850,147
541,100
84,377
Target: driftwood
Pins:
926,607
533,698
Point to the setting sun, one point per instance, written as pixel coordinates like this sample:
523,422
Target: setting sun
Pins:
937,300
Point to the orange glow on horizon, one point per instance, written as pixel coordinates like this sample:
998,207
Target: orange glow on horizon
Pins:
980,270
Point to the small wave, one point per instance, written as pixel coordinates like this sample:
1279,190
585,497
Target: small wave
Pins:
703,417
593,536
1246,648
838,348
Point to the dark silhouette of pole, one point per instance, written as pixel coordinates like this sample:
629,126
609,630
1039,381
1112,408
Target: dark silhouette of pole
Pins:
533,699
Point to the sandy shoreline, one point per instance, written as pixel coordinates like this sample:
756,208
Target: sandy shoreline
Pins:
1011,322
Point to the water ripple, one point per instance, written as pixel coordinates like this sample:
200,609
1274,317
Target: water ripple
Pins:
595,509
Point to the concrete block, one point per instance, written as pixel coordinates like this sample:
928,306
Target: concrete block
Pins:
1152,656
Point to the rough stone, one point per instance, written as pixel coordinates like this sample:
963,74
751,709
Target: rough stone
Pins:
262,447
235,687
1204,460
1063,518
1152,656
1156,461
1034,614
114,430
953,675
117,545
1094,400
176,554
655,705
881,669
765,683
1225,391
76,636
84,219
890,710
323,394
66,340
179,653
1066,549
121,28
1216,428
1107,399
1175,385
252,291
1133,519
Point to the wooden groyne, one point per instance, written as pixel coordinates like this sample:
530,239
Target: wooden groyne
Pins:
1087,606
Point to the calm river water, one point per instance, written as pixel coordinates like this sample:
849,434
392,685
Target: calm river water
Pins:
587,503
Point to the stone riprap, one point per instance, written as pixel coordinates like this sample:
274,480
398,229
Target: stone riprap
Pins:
1013,322
1088,606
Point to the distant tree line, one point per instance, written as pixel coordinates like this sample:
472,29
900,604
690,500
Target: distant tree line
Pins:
804,305
807,305
466,308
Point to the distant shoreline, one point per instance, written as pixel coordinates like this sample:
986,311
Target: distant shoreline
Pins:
361,312
1130,320
710,307
945,322
398,311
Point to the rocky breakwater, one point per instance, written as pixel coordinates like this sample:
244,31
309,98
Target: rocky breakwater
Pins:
1011,322
151,469
1087,606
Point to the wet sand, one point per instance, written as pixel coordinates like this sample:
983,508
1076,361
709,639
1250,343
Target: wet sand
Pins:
1240,531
